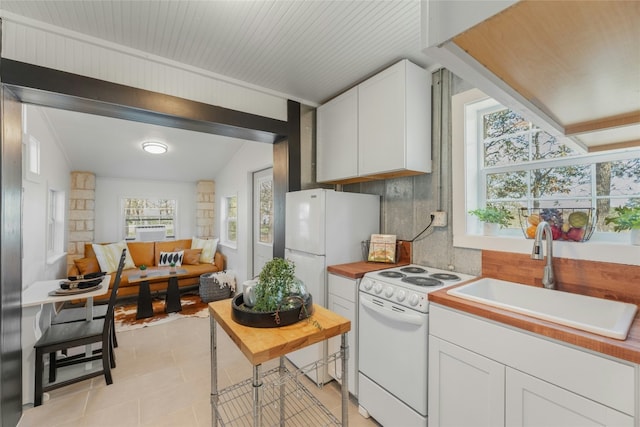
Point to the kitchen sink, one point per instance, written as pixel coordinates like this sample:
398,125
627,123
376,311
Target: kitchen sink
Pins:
599,316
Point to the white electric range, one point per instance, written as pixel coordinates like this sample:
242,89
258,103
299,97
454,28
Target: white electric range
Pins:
393,333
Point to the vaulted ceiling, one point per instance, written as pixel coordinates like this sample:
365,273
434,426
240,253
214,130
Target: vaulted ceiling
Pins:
309,51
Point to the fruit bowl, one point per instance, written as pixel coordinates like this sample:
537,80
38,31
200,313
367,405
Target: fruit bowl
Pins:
568,224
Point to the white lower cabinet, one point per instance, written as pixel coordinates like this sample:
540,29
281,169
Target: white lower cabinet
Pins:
533,402
465,389
343,297
482,373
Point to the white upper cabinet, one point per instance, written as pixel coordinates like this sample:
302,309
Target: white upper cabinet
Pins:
394,121
337,138
378,129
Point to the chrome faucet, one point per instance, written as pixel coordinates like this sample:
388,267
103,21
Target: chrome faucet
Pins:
548,281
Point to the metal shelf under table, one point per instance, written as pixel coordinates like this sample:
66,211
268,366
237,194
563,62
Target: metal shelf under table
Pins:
262,344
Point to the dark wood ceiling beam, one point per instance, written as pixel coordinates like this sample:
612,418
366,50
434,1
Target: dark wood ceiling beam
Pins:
53,88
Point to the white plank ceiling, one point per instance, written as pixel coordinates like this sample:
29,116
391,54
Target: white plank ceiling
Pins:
309,51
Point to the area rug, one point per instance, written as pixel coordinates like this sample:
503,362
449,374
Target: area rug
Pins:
125,314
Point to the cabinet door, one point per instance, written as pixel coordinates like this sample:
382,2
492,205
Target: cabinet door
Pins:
347,309
533,402
381,121
337,138
465,389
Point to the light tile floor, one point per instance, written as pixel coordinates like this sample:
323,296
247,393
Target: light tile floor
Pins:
162,378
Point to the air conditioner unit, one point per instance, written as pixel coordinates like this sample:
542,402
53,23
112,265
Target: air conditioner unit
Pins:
150,233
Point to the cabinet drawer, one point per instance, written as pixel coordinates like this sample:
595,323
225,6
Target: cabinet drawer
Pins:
343,287
610,382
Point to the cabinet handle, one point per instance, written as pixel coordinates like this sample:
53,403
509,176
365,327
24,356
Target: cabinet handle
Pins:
413,319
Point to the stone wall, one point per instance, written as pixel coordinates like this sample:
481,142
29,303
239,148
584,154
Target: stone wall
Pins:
205,208
81,214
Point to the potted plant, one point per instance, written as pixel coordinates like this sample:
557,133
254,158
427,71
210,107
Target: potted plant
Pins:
626,218
143,270
172,268
280,298
493,217
274,282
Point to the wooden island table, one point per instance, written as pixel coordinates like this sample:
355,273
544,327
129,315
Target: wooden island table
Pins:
260,345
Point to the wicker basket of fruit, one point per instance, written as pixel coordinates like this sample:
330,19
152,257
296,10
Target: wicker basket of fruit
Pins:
569,224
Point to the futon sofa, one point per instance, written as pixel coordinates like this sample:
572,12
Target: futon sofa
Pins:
148,254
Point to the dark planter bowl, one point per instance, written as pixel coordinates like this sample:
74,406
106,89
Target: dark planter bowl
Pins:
257,319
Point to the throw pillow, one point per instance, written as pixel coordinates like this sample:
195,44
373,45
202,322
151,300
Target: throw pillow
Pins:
166,258
191,256
109,256
208,246
87,265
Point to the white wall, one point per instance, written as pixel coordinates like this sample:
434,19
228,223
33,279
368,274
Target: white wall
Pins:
109,221
237,179
54,174
41,44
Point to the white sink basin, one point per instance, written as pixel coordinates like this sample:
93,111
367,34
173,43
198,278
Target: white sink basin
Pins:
600,316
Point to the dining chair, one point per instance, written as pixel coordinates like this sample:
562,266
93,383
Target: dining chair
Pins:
79,314
65,336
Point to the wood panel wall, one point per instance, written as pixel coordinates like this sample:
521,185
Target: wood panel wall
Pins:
618,282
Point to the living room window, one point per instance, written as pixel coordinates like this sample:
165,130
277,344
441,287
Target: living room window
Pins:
55,225
147,212
506,161
265,198
229,221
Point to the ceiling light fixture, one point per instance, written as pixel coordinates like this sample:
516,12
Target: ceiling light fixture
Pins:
154,147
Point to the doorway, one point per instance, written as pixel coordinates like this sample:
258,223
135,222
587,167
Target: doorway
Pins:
53,88
263,215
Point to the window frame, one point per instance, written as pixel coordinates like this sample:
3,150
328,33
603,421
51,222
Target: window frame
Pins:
31,167
123,207
606,247
225,220
55,225
271,213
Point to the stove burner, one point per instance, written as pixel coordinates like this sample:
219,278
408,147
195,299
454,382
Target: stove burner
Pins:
422,281
445,276
391,274
413,270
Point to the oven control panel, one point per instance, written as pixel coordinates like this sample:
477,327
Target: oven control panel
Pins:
394,293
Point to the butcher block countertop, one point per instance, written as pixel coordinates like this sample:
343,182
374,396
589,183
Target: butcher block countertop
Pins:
626,350
355,270
263,344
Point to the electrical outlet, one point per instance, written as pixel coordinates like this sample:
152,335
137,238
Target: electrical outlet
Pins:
439,219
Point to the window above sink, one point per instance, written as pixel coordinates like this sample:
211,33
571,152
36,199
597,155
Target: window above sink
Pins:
502,159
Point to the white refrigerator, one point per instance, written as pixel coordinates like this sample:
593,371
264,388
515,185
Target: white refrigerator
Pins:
325,227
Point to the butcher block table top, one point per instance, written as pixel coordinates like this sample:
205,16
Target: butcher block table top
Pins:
356,270
628,349
263,344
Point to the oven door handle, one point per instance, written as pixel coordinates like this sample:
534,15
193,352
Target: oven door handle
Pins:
414,319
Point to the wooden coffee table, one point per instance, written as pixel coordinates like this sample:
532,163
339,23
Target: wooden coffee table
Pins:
172,301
